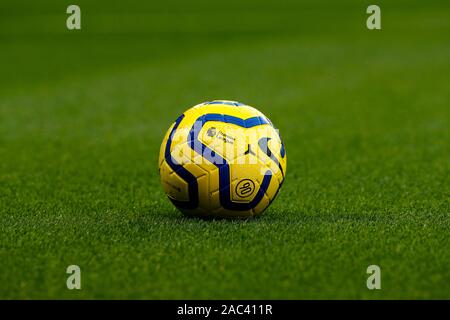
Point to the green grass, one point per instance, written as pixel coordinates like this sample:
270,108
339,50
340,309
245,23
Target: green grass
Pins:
364,116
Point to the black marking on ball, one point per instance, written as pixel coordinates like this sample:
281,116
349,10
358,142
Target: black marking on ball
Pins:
245,188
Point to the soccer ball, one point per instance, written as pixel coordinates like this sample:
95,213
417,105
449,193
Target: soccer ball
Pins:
222,159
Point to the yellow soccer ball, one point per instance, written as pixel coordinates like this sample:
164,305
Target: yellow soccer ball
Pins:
222,159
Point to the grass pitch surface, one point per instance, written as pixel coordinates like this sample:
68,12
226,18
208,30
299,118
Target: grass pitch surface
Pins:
364,116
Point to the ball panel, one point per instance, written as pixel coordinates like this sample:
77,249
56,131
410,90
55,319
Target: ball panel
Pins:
242,112
246,180
174,186
261,206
